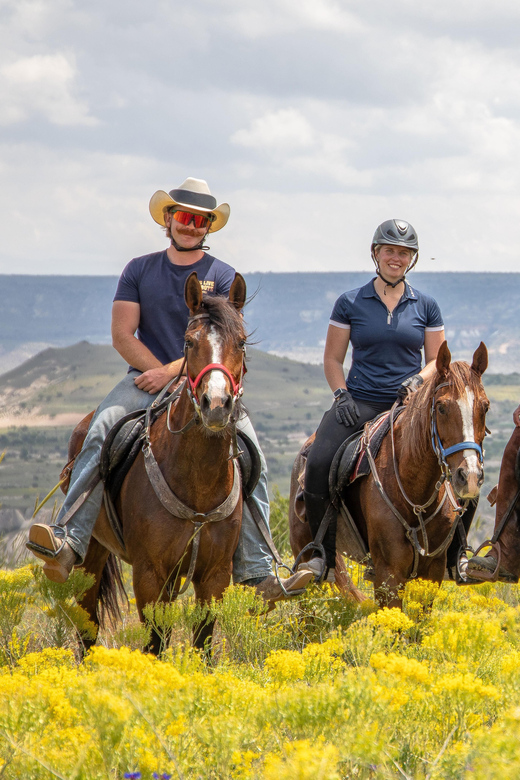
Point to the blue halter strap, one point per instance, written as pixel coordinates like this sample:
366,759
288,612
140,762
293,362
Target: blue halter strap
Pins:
439,450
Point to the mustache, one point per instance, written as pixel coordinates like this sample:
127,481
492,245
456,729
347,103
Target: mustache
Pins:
188,232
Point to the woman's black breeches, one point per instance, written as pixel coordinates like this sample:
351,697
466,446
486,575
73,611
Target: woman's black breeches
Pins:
329,437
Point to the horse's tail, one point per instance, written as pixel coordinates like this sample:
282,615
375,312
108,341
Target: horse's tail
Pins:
344,581
111,592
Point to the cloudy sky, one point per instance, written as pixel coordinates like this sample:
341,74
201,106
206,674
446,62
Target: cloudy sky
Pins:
315,119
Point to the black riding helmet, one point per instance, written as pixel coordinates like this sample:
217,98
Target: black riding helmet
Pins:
395,232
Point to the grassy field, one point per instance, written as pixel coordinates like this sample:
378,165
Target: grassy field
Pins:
318,689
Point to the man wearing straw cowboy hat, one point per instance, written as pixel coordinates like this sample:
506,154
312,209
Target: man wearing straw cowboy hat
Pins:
149,319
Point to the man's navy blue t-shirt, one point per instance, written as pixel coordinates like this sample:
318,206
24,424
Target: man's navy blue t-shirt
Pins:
386,347
157,285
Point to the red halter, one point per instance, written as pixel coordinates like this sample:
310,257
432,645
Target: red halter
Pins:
193,384
236,386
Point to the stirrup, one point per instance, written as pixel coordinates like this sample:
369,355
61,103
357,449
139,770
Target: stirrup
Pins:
46,552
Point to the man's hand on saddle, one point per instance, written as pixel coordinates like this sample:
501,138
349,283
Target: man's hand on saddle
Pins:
153,380
516,417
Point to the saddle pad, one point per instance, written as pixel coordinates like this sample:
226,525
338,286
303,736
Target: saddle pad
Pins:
350,461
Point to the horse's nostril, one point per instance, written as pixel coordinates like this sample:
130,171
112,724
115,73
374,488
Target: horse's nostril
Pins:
461,476
481,478
228,406
204,402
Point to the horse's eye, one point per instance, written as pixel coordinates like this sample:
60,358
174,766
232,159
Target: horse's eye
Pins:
241,343
441,408
188,343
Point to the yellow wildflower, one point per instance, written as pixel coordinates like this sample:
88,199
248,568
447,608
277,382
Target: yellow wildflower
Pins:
393,698
49,657
177,727
400,666
390,619
510,663
285,665
303,760
465,684
324,657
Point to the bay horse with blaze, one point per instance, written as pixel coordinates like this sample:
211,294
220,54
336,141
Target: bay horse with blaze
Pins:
429,465
183,490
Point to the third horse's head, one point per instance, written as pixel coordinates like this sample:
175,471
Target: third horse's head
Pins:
458,418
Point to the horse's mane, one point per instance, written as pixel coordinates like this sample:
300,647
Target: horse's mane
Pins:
416,417
223,315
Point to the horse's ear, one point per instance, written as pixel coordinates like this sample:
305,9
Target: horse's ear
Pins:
480,359
443,359
237,292
193,293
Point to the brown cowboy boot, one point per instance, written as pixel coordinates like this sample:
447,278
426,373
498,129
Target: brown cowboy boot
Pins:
57,553
271,590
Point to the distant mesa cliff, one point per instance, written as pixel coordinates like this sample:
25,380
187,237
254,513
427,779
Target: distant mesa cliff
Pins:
288,312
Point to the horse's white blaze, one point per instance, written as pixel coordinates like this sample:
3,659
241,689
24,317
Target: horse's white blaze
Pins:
466,404
217,380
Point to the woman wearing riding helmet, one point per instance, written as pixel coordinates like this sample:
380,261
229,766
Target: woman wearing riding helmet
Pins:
388,323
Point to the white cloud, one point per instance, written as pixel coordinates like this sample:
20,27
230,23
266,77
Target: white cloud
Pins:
336,114
282,17
41,85
277,131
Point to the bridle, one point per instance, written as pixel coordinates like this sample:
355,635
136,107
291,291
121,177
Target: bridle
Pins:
444,453
193,384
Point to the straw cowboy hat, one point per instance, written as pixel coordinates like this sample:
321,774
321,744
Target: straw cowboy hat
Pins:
191,194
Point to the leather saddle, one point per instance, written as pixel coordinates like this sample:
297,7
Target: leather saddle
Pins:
350,463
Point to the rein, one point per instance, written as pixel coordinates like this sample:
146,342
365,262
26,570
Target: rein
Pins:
412,533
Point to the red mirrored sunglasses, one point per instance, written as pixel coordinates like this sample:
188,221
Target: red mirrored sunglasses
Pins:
187,217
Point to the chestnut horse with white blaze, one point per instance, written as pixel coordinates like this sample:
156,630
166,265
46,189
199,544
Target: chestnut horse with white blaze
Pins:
183,489
428,467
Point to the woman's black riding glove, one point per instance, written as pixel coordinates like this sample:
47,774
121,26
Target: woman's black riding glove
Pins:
409,386
346,408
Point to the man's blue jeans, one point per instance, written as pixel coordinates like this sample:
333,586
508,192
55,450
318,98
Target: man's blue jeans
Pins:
252,557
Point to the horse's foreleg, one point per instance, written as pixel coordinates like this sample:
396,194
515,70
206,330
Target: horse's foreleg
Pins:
204,592
149,589
392,564
436,570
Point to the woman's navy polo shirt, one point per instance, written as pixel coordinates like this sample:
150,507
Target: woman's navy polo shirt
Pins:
386,347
